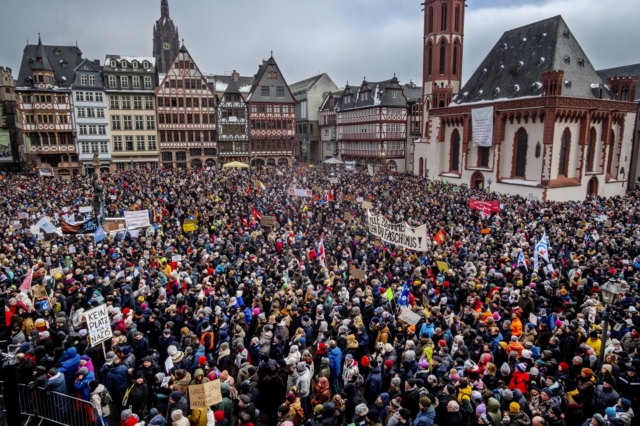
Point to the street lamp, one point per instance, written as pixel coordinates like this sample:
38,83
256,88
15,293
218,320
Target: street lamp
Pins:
609,291
96,163
489,182
426,171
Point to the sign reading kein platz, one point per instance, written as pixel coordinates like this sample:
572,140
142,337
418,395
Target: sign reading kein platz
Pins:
98,325
399,234
205,395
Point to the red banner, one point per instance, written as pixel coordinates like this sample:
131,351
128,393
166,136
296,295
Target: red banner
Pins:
493,206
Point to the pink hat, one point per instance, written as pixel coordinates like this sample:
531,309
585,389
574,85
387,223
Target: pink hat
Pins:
256,311
496,316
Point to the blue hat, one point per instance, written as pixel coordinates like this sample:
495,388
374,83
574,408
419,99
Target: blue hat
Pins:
530,325
626,404
610,412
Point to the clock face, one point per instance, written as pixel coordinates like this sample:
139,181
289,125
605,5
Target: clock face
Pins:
166,46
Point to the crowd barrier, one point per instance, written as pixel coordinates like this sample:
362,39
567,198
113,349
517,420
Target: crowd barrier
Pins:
53,407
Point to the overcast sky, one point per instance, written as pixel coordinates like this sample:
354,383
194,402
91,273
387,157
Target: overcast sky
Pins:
348,39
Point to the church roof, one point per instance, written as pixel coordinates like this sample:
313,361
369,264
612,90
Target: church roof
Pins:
624,71
514,66
60,59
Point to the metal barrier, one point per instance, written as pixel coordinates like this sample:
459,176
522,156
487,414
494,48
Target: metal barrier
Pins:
40,405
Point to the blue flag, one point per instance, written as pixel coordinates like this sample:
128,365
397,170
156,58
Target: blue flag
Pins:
99,235
404,296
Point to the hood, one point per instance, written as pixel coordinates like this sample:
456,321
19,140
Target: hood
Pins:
493,405
198,372
324,362
72,352
224,389
517,394
328,410
385,398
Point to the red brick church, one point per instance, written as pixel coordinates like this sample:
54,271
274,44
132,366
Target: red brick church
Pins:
534,119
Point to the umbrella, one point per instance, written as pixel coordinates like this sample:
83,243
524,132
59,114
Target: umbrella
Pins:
333,161
235,165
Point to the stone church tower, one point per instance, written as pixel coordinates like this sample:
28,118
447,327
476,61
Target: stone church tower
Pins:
166,42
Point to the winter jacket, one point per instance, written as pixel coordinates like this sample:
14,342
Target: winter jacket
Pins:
373,385
116,380
425,417
303,383
335,361
604,398
96,401
57,384
70,364
82,386
198,417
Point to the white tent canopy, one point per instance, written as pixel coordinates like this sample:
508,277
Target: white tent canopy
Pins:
333,161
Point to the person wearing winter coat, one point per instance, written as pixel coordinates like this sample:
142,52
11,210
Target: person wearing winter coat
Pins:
127,418
226,404
96,400
324,370
116,382
83,378
335,361
56,383
453,417
156,419
198,416
178,403
515,416
265,339
349,369
427,414
373,383
303,383
323,393
178,419
69,367
604,396
138,396
520,378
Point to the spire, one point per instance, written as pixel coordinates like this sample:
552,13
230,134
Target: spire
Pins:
42,61
164,9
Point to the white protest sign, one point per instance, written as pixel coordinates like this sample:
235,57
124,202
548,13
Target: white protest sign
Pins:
482,126
370,169
409,317
359,200
165,381
333,180
399,234
23,215
35,229
137,219
176,258
85,209
168,364
98,325
301,192
533,319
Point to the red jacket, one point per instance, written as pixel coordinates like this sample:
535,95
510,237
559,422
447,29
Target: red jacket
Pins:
520,381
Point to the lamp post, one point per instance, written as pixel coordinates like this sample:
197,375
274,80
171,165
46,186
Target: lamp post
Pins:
96,163
489,182
426,171
609,291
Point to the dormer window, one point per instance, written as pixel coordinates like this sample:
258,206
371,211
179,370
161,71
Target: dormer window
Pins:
31,61
124,64
39,60
145,64
365,96
135,65
114,64
56,52
64,64
86,67
395,94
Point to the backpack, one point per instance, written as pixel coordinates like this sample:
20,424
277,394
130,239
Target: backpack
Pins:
105,398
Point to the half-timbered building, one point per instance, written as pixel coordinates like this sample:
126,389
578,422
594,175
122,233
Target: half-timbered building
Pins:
186,116
233,125
372,125
44,101
535,119
272,116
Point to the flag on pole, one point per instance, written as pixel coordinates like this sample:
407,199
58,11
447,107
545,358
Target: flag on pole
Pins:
262,186
244,222
389,294
404,296
26,284
542,247
255,213
521,259
439,237
321,253
289,221
99,235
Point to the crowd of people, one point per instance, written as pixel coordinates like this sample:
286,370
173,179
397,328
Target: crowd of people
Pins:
277,315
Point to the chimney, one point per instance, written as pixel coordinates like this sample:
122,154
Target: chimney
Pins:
96,62
235,76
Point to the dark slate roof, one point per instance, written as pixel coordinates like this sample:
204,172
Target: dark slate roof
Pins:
514,66
255,94
71,55
380,94
306,84
625,71
360,101
325,103
387,98
94,69
226,79
232,87
42,61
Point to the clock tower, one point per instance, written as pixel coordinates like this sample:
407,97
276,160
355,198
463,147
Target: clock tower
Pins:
166,42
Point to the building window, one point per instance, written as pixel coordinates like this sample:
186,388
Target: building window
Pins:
521,154
89,96
124,80
563,166
79,96
113,102
457,19
93,130
280,91
151,143
139,122
117,143
84,147
135,65
455,151
127,122
591,149
99,97
455,59
181,156
148,102
443,22
100,113
136,82
430,19
140,143
92,80
115,122
137,102
126,102
82,112
147,83
442,56
151,124
82,130
83,80
112,81
104,147
484,156
167,156
128,142
264,90
102,130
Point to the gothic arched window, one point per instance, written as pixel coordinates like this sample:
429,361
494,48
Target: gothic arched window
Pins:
521,153
455,151
563,166
591,149
442,56
443,17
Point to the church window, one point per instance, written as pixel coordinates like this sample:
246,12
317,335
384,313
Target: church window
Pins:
430,59
455,151
563,166
591,149
442,56
538,150
455,59
443,17
457,19
484,156
430,19
521,154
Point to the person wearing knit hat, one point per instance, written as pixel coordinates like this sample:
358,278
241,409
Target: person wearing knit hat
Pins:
514,407
373,417
388,363
291,398
610,412
395,402
361,410
481,409
587,372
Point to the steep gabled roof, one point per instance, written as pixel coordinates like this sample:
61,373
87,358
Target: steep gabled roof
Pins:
41,60
514,66
627,70
61,59
306,84
94,69
381,93
261,78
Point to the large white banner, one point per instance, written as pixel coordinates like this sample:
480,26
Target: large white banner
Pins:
370,169
399,234
482,126
301,192
98,325
137,219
